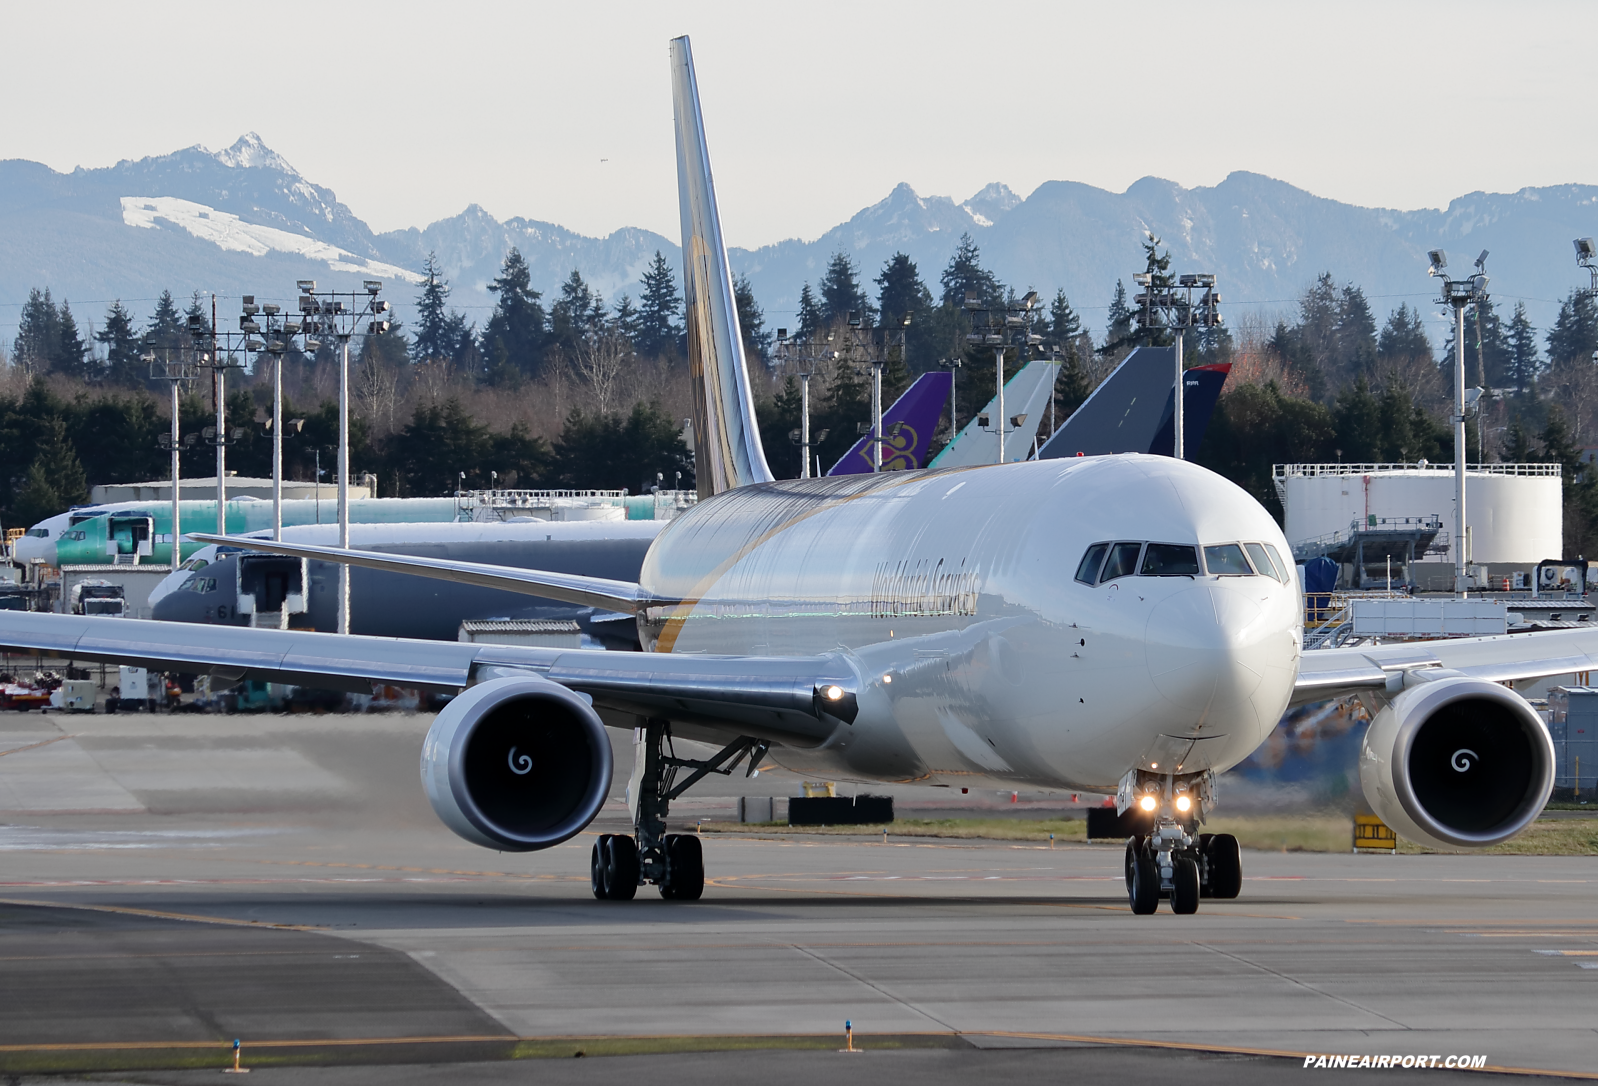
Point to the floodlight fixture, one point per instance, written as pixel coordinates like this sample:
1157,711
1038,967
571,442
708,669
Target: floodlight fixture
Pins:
305,285
1585,249
1206,279
1187,281
1481,261
271,310
1439,260
972,301
1018,420
1030,300
372,285
854,319
904,322
248,299
1140,278
782,334
1472,395
196,324
254,346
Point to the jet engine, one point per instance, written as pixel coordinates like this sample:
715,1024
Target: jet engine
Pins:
517,764
1457,763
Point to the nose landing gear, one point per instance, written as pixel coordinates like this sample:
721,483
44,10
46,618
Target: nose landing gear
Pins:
1171,861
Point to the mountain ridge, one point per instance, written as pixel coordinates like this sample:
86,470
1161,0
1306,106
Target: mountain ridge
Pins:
244,220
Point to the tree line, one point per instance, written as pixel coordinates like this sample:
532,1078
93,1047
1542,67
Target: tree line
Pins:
1328,381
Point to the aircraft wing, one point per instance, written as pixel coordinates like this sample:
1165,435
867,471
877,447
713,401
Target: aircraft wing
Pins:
797,700
598,592
1333,673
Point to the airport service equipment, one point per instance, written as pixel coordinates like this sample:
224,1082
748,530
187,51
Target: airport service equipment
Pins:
1122,624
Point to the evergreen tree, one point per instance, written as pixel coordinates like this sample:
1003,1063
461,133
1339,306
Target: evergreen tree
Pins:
751,321
197,316
1355,333
167,326
841,293
1517,445
1064,325
72,354
660,307
626,318
810,319
1146,328
966,275
55,479
121,344
1358,416
1485,348
901,293
1403,336
572,316
38,333
621,452
513,341
900,290
1523,361
1575,331
434,336
1119,328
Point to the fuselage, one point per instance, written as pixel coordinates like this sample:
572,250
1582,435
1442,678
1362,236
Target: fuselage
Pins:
981,656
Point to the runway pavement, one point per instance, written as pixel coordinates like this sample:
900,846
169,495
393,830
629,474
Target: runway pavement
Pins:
282,880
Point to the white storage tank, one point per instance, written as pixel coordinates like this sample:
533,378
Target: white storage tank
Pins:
1515,512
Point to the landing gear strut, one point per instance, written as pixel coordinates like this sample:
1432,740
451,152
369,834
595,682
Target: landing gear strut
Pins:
1172,861
672,861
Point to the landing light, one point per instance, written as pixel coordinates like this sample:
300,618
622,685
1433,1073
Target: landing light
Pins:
833,693
1148,803
1184,804
887,678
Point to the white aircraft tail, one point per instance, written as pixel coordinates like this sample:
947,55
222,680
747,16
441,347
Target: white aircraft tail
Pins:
727,449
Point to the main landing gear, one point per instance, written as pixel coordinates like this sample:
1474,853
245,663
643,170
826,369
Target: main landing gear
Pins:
674,862
1172,861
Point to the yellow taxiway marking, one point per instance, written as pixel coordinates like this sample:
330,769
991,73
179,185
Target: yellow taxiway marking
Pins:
157,914
36,746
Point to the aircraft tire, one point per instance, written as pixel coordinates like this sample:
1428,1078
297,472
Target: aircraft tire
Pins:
1204,860
1226,866
1185,886
621,868
596,866
686,864
1134,846
1145,892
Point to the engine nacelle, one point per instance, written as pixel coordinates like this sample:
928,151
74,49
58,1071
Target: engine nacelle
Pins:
1457,763
517,764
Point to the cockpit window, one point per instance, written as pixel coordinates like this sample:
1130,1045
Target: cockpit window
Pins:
1263,561
39,533
195,563
1226,560
1169,560
1284,568
1122,561
1088,571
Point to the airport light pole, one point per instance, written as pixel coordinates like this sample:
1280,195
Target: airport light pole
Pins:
1168,301
219,358
340,314
1460,294
953,364
174,371
278,331
803,351
997,327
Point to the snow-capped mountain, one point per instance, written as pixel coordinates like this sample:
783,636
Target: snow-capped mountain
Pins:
243,220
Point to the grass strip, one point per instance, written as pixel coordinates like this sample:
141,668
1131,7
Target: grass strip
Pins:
1266,833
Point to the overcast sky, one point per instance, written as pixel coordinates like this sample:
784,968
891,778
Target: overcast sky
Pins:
562,111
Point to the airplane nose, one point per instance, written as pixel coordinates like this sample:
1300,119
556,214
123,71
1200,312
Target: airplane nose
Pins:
1210,649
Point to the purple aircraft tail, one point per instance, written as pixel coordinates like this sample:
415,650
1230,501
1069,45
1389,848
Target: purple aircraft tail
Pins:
907,427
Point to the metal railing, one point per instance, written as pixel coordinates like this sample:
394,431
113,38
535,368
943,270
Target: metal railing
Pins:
1280,473
1312,548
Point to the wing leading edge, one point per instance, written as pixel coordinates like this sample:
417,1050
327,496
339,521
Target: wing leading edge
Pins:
797,700
1333,673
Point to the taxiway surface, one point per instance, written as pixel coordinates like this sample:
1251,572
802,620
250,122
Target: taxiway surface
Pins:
179,880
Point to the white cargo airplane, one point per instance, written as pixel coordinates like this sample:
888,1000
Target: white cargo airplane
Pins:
1118,623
